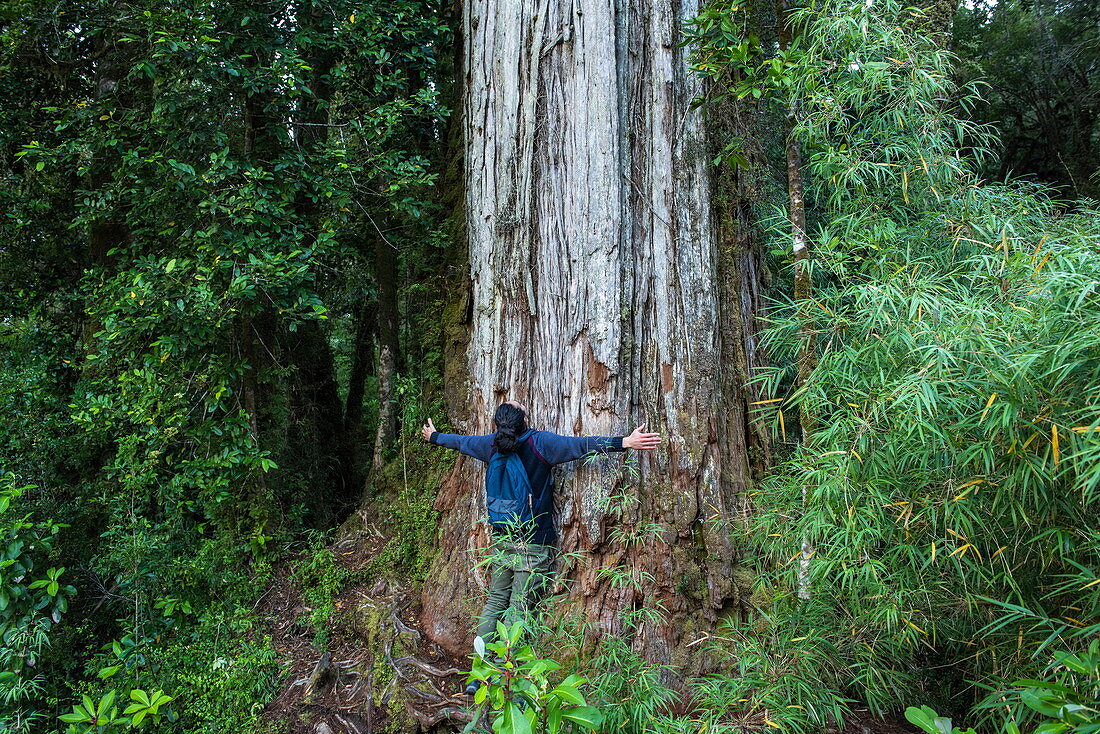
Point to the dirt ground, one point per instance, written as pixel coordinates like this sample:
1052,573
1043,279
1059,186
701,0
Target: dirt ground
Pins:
379,673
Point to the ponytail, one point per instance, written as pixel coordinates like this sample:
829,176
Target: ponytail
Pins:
510,422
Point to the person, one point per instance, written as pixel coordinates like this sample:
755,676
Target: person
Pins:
520,567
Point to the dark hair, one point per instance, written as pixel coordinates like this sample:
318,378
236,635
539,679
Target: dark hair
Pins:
510,422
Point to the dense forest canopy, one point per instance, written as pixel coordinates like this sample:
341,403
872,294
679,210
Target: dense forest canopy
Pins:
1039,60
842,255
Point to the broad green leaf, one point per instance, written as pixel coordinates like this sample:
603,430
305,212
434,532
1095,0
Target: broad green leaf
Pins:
553,720
568,693
1038,702
585,716
520,723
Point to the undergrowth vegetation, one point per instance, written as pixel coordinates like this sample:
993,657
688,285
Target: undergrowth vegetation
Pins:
319,579
187,338
404,495
934,535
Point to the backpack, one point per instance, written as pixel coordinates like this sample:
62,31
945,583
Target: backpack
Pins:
508,489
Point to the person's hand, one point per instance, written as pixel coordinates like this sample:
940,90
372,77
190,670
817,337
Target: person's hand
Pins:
640,440
427,430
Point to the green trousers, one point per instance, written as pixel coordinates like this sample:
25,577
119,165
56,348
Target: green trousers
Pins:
520,573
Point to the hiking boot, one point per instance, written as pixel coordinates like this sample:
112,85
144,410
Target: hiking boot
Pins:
472,686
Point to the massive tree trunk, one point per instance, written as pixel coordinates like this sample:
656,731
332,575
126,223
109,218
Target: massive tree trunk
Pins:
599,300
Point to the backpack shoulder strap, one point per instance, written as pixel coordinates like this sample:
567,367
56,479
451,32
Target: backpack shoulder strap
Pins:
530,436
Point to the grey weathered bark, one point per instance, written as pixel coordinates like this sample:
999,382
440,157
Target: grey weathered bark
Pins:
597,301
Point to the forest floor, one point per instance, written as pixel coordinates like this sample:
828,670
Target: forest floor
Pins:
374,671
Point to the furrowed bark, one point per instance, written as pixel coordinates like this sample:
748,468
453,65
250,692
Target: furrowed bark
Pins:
596,302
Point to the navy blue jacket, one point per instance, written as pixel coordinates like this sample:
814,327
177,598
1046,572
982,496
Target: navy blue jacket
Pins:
538,453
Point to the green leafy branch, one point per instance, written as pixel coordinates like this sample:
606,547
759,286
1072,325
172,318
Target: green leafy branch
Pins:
518,695
90,717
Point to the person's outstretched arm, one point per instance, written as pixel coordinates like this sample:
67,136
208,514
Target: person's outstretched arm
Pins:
558,449
479,447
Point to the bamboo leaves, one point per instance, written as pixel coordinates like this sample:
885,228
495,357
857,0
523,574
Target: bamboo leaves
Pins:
956,389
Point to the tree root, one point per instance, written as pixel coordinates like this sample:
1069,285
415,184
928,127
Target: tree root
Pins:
349,692
429,669
321,679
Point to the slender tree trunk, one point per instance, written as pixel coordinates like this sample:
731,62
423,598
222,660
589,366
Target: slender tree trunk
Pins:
596,300
357,380
803,293
386,275
803,283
